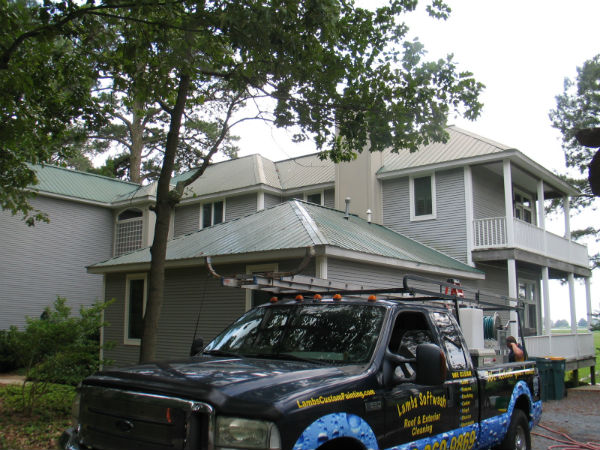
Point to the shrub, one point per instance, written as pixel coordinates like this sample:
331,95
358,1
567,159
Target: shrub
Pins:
9,359
57,348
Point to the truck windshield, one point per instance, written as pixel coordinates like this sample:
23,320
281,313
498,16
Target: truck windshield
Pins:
332,333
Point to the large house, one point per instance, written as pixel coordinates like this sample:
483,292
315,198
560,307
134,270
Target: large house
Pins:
470,209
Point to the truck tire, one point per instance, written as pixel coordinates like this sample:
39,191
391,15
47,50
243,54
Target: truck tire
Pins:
517,437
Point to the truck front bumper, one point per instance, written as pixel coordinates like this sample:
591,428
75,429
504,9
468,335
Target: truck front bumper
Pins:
69,440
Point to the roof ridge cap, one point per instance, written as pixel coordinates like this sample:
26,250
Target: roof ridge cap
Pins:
309,224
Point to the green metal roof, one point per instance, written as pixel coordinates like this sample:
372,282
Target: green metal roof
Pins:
296,225
79,185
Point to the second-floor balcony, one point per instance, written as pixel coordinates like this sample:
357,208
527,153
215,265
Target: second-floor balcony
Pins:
493,233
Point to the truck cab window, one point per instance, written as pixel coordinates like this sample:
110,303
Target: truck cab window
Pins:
410,330
451,342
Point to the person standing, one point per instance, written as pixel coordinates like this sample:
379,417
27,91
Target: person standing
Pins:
516,352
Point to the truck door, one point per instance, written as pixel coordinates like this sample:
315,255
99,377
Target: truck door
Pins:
461,386
414,412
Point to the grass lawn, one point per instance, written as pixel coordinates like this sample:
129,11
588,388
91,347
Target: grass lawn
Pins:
41,430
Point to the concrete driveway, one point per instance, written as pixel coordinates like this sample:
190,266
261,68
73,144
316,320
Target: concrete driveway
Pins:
577,416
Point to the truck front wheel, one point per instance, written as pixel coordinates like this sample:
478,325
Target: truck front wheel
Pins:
517,437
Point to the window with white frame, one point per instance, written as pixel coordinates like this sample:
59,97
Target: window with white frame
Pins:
129,231
422,197
528,293
523,204
135,307
213,213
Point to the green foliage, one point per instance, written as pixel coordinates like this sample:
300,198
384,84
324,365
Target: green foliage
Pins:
578,107
45,85
9,360
561,323
43,427
57,348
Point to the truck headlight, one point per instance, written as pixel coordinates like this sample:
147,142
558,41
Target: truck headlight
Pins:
234,432
75,409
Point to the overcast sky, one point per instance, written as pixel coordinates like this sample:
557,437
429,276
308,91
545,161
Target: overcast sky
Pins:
522,51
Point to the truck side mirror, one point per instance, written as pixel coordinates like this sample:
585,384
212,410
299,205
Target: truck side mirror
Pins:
197,346
431,365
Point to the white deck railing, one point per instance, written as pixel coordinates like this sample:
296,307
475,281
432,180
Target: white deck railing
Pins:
492,233
568,346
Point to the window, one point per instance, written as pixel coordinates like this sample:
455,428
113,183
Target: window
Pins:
523,207
212,213
422,197
451,342
314,198
528,293
135,306
129,231
410,330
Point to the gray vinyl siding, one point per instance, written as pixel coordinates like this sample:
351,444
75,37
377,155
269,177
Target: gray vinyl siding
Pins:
187,219
272,200
447,233
240,206
369,275
48,260
191,297
488,194
329,200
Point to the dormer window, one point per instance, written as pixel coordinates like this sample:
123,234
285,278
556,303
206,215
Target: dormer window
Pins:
129,231
212,213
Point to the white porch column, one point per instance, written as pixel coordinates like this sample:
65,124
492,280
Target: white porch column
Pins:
541,212
508,203
468,175
512,292
567,208
571,279
588,300
546,293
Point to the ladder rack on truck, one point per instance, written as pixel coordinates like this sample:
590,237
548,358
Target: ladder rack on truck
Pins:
284,285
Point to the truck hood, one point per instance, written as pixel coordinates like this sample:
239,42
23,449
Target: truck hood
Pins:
230,384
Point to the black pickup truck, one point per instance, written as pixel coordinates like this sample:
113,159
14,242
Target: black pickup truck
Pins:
316,373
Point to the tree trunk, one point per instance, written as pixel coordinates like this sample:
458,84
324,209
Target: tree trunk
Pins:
164,205
137,143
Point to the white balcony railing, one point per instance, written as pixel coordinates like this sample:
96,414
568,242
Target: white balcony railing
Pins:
492,233
569,346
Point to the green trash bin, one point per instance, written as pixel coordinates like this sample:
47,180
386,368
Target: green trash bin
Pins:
558,373
547,390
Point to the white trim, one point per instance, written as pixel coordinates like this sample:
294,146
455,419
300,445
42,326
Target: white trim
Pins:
567,213
255,268
546,293
212,212
411,195
588,301
508,202
102,320
129,277
260,200
321,267
470,216
571,281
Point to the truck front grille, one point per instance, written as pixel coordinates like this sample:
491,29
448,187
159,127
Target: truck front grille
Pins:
112,419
